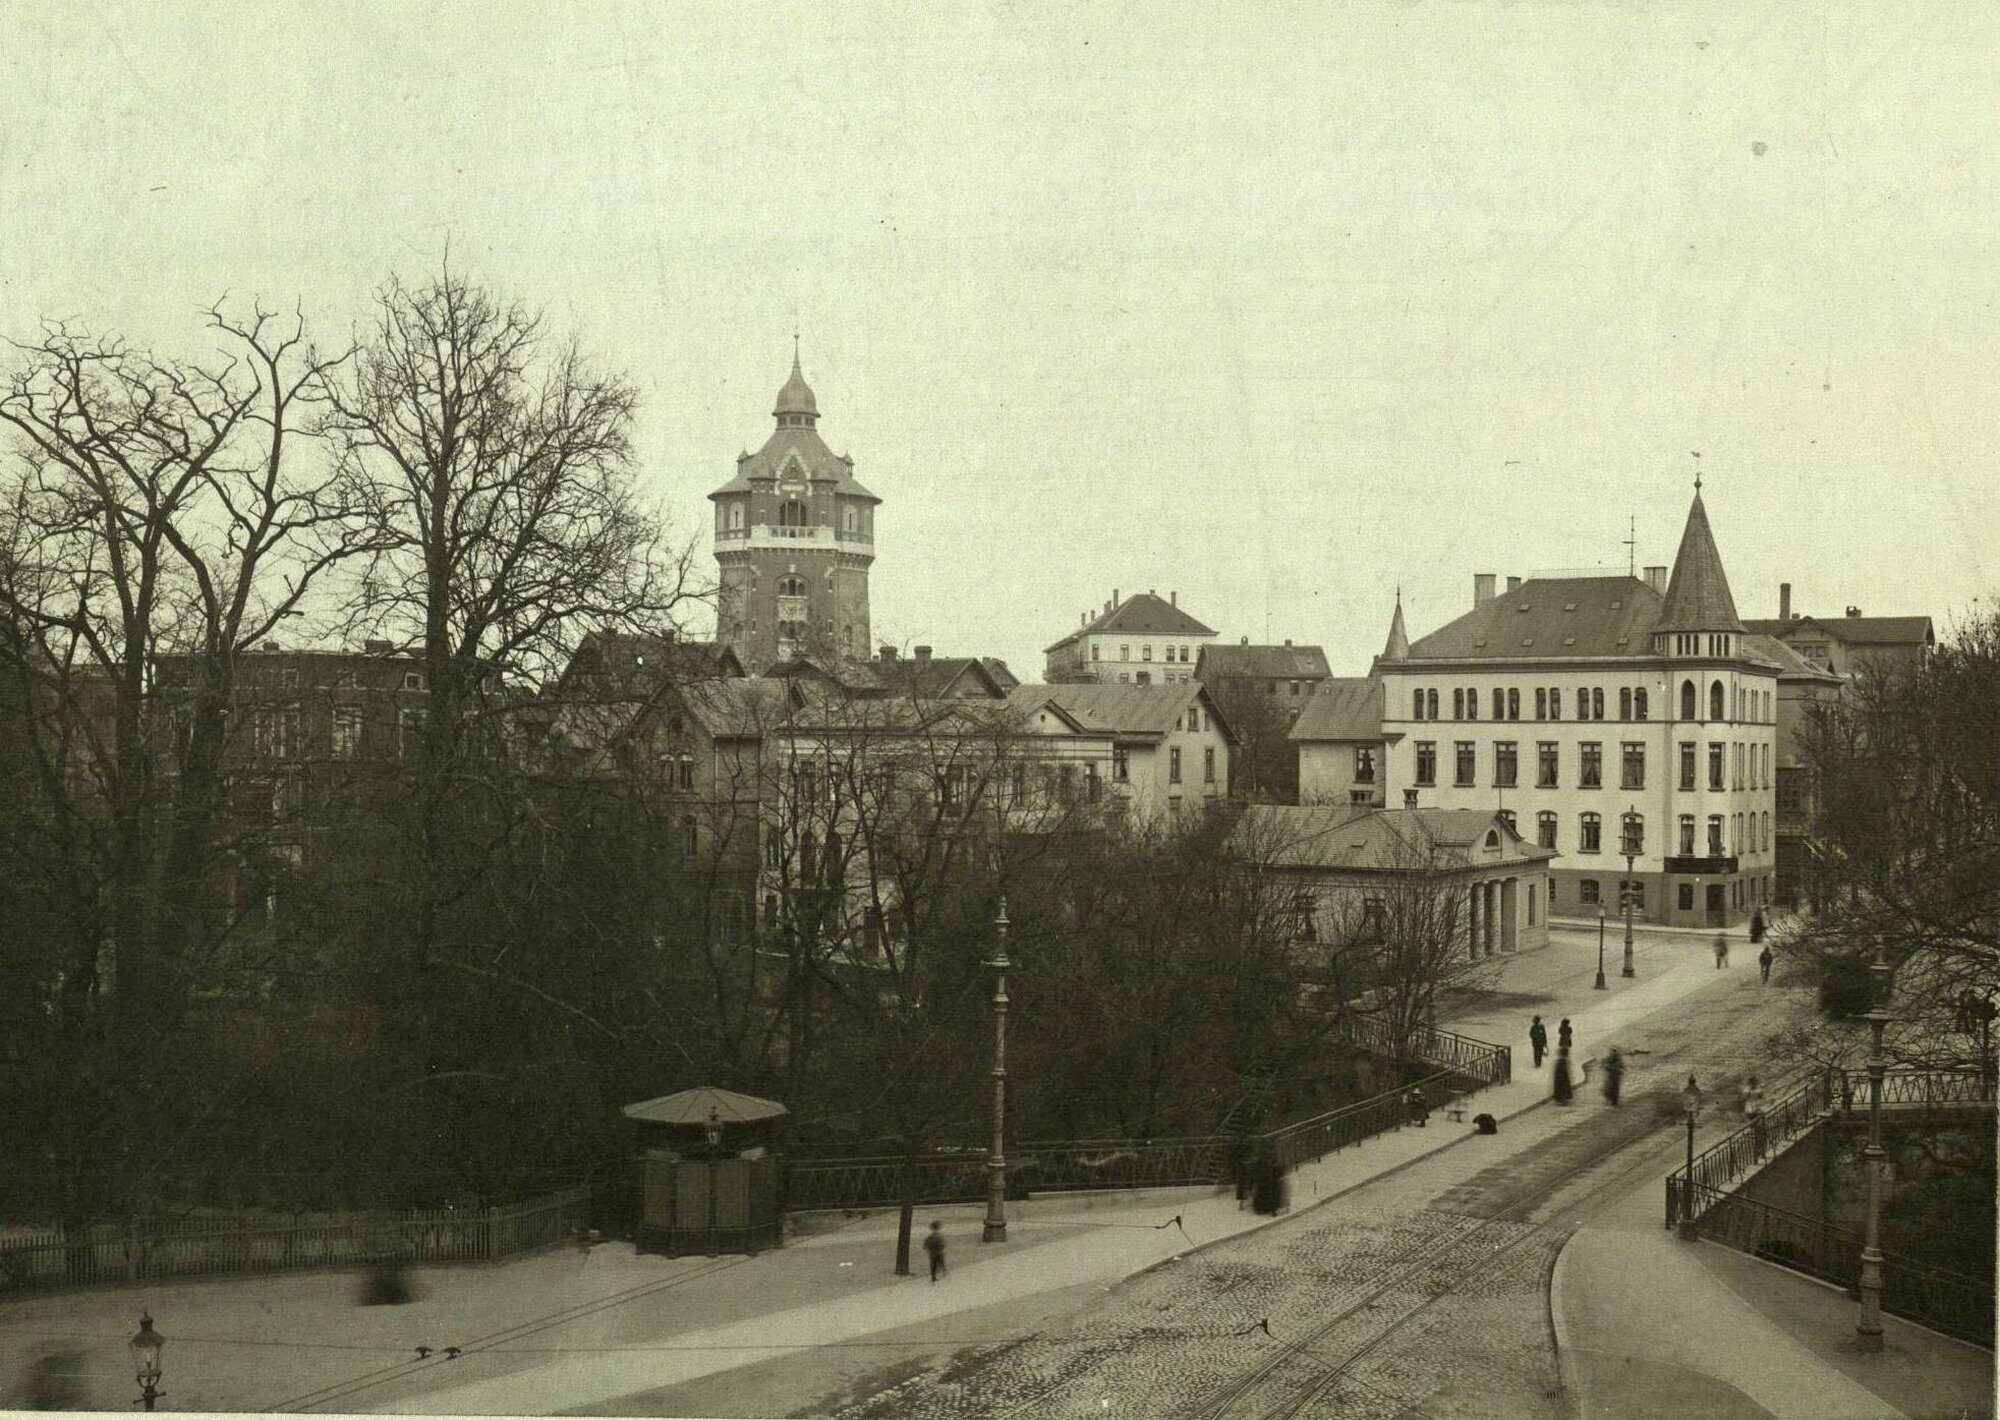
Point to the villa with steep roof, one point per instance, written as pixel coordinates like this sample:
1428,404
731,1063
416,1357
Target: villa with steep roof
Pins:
1613,719
1142,640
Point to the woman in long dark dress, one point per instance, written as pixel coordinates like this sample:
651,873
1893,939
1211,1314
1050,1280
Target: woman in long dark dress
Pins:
1564,1086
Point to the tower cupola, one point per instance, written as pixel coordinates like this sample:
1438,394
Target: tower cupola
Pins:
796,405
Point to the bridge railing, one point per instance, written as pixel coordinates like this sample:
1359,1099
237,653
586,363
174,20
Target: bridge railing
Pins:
1946,1301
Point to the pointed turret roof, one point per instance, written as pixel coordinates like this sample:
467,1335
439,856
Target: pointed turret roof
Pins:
1698,592
1398,648
797,397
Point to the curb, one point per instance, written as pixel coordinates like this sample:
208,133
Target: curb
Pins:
1572,1395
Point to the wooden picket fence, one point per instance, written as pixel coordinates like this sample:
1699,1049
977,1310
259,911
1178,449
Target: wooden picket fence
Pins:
202,1246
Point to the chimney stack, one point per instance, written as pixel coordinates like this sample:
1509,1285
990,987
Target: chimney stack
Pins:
1784,601
1174,598
1854,611
1513,584
888,653
1482,588
1288,640
1114,596
923,653
1656,578
1245,641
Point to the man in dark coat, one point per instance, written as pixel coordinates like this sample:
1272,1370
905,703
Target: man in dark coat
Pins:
1764,962
1538,1040
1614,1075
1563,1040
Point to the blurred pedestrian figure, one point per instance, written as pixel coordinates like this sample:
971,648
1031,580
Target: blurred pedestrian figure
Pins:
1267,1194
1563,1040
1420,1114
1753,1110
51,1382
1757,927
934,1249
1538,1040
1564,1086
1238,1153
1721,950
1764,963
387,1283
1614,1075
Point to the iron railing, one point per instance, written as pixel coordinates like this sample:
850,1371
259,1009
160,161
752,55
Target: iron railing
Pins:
1487,1063
191,1247
1936,1297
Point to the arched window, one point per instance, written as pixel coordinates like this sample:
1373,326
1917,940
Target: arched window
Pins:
1687,700
791,586
1513,704
1634,840
1597,705
792,514
1715,700
1625,702
1431,704
736,516
1417,711
1639,703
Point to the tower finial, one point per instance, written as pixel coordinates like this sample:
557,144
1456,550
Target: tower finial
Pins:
1697,469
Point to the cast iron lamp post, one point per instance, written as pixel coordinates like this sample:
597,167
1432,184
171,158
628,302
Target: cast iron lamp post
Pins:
1631,852
146,1346
1600,948
1690,1106
996,1163
1868,1330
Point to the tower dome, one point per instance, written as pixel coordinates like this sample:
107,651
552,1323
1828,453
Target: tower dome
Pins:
796,398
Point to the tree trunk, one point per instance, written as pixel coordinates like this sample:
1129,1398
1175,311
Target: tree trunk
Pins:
906,1210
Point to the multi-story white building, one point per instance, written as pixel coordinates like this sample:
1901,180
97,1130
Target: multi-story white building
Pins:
1169,745
1604,717
1139,641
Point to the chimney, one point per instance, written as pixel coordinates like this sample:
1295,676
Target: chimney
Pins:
1482,588
1656,578
1114,598
923,653
1245,641
888,653
1288,640
1784,601
1854,611
1174,598
1513,584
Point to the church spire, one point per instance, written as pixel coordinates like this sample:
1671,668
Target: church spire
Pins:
1698,596
1398,648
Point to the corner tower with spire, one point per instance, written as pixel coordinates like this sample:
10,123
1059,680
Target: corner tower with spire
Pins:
794,540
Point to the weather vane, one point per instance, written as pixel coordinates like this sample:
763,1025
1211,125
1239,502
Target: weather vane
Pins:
1697,469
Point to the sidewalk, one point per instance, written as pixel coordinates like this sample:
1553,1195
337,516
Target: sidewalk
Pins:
250,1343
1651,1325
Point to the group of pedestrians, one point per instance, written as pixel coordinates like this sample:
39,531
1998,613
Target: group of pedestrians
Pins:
1764,957
1562,1078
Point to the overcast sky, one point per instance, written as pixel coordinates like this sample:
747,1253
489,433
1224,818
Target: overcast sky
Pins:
1279,307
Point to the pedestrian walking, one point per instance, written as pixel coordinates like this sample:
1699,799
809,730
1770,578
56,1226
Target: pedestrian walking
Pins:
1563,1037
1564,1087
1267,1193
1753,1110
1757,927
1614,1075
1538,1040
934,1249
1764,963
1721,950
1420,1114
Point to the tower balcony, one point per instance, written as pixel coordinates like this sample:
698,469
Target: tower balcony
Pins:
767,535
792,609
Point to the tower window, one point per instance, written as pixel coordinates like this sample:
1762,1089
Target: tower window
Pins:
791,514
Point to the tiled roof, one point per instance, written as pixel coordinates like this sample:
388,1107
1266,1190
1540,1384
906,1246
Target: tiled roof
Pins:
1345,708
1141,615
629,659
1122,709
1288,662
1855,630
1791,665
1698,591
1362,839
938,675
1551,616
738,708
1002,676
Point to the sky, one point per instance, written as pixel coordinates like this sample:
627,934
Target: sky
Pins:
1281,307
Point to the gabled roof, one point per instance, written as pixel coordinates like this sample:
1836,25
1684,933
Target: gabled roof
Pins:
1141,615
1287,662
1148,710
742,708
1344,837
1551,616
1698,596
1002,676
1854,630
852,676
631,662
933,676
1344,708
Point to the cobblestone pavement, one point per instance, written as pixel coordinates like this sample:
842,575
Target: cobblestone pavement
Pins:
1387,1334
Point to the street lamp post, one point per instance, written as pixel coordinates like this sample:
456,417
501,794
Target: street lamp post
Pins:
996,1163
1631,852
1868,1330
1600,948
1691,1106
146,1346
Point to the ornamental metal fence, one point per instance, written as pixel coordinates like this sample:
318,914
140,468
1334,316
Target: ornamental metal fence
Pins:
232,1242
1943,1300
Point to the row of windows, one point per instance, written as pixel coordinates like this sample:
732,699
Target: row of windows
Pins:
1207,765
277,733
792,513
1736,834
1146,677
1176,652
1633,704
1752,764
1743,892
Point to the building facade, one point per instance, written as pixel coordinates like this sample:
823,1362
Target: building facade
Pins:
794,541
1848,644
1142,640
1169,744
1626,723
1342,748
